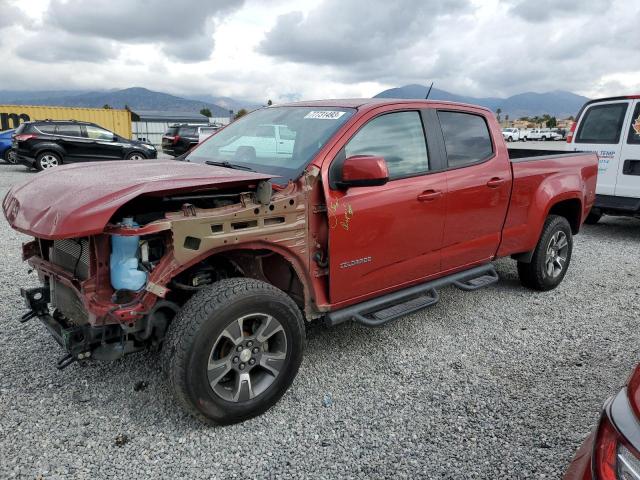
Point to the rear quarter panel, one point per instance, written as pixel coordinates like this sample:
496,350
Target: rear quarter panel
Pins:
538,185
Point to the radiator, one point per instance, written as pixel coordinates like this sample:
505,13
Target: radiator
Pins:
73,255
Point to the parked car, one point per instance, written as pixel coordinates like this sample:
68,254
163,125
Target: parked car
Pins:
511,134
180,138
45,144
206,132
543,134
611,128
265,141
219,260
612,450
6,153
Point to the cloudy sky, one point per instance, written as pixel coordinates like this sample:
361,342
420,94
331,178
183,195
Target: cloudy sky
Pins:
298,49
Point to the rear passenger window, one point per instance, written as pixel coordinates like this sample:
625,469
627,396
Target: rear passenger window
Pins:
47,128
634,129
602,124
398,138
466,138
188,131
69,130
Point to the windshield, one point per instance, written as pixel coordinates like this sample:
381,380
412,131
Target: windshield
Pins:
280,141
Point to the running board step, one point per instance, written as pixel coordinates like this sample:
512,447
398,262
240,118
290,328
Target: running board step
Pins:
474,283
395,311
381,310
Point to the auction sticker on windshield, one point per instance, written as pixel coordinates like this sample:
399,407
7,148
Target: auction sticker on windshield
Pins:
325,114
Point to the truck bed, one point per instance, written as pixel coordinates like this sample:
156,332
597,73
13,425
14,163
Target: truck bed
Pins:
537,175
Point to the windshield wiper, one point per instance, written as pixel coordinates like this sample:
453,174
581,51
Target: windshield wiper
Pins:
226,164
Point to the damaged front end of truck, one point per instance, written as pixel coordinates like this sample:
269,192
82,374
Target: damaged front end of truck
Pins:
119,256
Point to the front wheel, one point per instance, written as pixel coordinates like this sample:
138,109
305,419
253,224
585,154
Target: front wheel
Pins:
10,156
136,156
551,257
233,350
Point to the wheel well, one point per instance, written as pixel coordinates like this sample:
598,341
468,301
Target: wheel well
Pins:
265,265
571,210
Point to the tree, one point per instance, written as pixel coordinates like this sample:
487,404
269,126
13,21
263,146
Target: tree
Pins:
552,122
506,118
106,106
269,103
498,112
240,113
206,112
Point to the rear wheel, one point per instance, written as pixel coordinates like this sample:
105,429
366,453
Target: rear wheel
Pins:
510,139
47,160
551,257
233,350
136,156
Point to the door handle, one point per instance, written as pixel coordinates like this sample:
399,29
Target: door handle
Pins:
429,195
495,182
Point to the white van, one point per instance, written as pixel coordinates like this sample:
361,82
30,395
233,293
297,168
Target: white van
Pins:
611,128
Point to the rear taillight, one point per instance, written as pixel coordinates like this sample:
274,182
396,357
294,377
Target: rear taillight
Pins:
176,139
613,459
571,132
24,137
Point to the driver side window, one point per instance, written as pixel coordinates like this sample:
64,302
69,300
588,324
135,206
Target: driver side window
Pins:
398,138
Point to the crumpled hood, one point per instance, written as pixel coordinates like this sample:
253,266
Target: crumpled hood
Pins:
78,200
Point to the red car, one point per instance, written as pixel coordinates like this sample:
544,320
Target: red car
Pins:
612,451
349,210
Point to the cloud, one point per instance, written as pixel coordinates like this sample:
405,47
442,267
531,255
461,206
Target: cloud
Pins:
343,33
10,16
542,10
64,47
184,30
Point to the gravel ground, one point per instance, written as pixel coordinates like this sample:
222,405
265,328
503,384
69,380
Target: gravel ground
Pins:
499,383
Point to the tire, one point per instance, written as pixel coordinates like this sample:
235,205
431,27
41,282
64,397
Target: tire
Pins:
544,139
217,338
546,270
594,216
47,160
136,156
9,156
510,139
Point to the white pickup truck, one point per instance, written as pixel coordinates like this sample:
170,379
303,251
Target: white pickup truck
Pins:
610,127
511,135
271,141
543,134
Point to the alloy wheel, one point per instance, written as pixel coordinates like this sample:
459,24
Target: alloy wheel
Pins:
48,161
557,251
247,357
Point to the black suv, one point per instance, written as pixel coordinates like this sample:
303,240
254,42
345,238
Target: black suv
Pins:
180,138
45,144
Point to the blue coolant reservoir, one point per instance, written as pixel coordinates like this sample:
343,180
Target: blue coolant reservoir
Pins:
124,260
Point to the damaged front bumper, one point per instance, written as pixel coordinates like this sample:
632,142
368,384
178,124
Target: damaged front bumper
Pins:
106,342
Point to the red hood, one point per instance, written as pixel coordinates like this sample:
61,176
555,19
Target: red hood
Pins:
78,200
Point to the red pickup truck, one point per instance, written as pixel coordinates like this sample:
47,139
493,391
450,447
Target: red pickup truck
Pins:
357,210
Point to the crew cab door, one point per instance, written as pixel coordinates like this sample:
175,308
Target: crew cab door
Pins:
628,181
479,184
600,131
383,237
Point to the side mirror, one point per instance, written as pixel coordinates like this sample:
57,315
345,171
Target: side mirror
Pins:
364,171
115,138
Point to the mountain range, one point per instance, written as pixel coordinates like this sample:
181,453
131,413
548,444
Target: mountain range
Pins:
136,98
558,103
